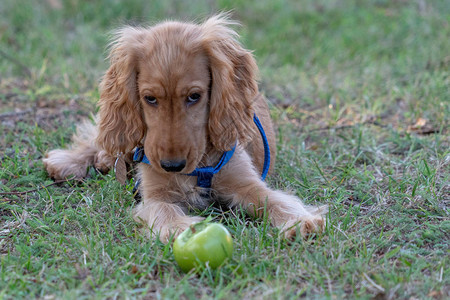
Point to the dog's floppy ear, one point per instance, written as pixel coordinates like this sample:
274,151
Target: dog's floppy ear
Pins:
120,123
234,87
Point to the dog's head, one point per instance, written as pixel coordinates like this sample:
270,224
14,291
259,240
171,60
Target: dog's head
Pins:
177,87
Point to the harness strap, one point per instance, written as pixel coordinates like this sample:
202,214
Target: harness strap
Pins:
139,156
205,174
266,147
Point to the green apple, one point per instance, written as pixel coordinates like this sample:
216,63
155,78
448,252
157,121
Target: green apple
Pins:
203,244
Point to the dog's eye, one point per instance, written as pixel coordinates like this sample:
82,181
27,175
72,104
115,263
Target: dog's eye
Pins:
192,98
150,100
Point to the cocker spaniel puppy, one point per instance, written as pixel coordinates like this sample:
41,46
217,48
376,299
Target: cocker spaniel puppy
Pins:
187,94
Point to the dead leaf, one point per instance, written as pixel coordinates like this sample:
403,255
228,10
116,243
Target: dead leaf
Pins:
134,269
422,127
55,4
83,273
435,294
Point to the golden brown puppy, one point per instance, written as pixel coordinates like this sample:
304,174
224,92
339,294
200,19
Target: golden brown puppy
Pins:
187,93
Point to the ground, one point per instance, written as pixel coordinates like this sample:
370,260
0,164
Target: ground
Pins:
359,92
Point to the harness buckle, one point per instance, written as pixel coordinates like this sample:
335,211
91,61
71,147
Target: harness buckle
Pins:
204,178
138,154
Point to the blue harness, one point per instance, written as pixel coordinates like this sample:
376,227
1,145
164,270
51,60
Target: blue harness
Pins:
205,174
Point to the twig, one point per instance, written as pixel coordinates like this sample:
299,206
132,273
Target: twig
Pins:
6,200
17,62
37,189
347,126
15,114
378,287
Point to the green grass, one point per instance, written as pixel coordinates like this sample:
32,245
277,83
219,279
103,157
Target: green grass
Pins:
347,80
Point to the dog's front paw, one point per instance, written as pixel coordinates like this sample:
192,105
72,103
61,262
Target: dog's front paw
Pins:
162,220
171,231
307,226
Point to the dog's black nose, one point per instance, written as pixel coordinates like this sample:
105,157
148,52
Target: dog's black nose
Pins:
173,165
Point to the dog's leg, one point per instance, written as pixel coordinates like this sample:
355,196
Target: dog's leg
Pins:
82,153
243,185
160,211
162,219
284,211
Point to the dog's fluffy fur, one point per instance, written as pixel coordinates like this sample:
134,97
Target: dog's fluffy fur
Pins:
147,98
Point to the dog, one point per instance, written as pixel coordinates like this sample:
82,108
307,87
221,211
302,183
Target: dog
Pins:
187,95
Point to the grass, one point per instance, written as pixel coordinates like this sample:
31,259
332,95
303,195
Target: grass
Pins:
360,96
